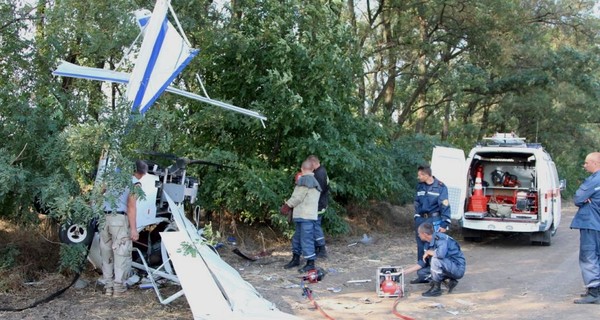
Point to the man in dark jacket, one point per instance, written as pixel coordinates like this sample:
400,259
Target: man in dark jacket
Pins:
587,220
447,262
321,176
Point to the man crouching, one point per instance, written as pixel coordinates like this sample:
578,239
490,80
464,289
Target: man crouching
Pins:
447,260
304,202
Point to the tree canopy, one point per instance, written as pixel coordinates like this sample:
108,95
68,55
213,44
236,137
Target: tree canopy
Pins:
367,86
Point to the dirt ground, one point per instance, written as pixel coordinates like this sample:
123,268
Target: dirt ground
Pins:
506,278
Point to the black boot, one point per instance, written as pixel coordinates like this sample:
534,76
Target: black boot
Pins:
321,251
587,292
452,284
593,297
294,262
435,290
310,264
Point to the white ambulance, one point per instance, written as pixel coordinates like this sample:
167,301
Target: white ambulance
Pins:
505,185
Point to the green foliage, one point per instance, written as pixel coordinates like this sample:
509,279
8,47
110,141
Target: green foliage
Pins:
332,221
212,237
11,176
351,92
8,256
188,249
72,257
409,153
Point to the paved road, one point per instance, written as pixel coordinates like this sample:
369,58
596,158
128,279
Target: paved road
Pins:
510,279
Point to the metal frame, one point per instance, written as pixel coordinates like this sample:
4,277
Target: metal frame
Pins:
150,275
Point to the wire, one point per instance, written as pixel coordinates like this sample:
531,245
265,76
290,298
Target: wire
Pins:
179,25
202,85
126,54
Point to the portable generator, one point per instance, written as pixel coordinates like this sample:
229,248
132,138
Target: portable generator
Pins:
390,282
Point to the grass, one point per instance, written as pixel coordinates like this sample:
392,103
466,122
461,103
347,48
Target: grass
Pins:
27,253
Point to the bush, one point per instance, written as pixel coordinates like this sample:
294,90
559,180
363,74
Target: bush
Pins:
72,257
8,256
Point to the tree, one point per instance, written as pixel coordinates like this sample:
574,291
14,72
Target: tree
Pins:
368,86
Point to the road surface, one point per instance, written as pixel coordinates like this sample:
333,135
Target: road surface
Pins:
507,278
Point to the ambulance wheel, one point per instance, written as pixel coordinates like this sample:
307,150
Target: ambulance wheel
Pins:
471,235
543,238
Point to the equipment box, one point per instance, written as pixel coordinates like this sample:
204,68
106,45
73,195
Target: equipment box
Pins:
390,281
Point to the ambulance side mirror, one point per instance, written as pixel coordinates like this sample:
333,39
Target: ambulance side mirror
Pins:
562,184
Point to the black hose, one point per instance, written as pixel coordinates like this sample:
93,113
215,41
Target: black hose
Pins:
44,300
55,294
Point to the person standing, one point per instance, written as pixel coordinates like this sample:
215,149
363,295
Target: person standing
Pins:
587,220
304,203
431,205
117,233
323,179
446,260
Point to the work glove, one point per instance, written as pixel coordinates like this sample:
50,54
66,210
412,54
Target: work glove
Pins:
285,209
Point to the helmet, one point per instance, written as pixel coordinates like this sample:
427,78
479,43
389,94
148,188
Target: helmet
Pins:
497,177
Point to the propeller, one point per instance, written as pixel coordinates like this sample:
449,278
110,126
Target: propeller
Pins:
182,162
169,156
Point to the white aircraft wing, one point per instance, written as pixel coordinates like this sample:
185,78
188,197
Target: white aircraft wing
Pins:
67,69
163,55
216,103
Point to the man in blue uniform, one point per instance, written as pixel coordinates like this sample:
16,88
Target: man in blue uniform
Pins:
446,259
587,220
431,205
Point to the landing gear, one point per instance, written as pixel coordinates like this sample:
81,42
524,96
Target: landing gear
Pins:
76,233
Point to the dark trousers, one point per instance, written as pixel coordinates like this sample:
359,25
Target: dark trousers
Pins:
446,268
420,243
319,235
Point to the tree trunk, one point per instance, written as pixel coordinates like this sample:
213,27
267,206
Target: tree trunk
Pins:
446,124
422,70
236,11
389,61
361,77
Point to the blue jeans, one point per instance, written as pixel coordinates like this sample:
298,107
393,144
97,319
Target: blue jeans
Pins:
589,257
319,235
303,241
446,268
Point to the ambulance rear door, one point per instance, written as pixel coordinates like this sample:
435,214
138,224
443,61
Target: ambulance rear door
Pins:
448,165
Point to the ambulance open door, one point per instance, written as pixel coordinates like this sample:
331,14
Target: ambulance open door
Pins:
448,165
